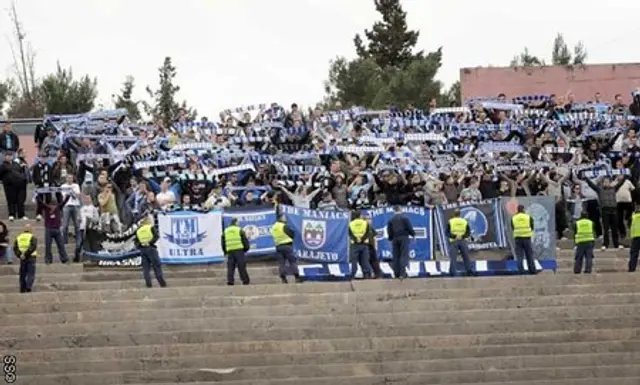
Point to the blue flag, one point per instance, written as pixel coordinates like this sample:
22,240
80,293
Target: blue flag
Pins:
421,220
256,223
320,236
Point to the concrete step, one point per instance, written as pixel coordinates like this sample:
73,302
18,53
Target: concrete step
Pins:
81,293
125,338
604,352
341,308
291,346
401,379
441,372
197,300
42,268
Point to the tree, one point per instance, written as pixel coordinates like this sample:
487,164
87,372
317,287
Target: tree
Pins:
64,95
24,96
165,107
4,94
453,96
386,69
390,43
525,59
124,100
560,54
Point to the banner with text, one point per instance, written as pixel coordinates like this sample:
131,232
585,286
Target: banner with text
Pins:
422,222
256,224
320,236
543,211
187,237
485,223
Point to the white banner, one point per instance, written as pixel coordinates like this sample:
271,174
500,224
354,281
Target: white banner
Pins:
190,237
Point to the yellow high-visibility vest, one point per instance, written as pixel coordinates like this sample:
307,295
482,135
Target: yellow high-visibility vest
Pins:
358,228
145,234
522,226
458,227
24,241
278,234
584,231
233,239
635,225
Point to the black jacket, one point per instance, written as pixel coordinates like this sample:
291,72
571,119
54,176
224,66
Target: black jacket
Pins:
15,141
13,174
399,226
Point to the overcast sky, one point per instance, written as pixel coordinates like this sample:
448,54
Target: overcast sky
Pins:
237,52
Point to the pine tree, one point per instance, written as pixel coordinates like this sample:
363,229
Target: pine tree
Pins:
62,94
390,42
124,100
560,54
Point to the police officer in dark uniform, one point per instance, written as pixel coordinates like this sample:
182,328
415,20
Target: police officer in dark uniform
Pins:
399,229
283,238
522,225
24,248
458,233
146,238
584,239
635,240
235,244
358,229
374,261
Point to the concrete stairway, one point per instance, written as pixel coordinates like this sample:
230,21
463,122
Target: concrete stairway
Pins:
90,326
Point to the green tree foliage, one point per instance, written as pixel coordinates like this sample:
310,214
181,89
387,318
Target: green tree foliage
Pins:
453,96
62,94
4,94
561,55
124,100
386,69
526,59
164,107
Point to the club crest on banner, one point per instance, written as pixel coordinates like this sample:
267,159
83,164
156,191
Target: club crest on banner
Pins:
540,220
314,233
185,231
478,223
252,232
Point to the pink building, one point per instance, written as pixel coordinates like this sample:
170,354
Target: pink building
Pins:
583,81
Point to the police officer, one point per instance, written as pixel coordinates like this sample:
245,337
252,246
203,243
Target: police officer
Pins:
146,238
24,248
373,252
635,240
358,229
235,244
522,225
584,239
458,233
399,229
283,238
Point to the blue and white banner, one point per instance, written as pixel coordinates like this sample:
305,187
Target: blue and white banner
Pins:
187,237
422,221
543,211
485,223
256,224
320,236
418,269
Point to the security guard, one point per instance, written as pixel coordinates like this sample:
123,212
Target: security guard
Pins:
146,238
235,244
374,261
358,229
25,249
522,225
458,233
283,238
635,240
584,239
399,229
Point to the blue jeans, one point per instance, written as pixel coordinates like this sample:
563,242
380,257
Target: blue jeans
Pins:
70,213
7,254
51,235
459,245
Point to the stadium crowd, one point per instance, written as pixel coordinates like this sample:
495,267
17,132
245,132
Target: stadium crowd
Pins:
103,171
